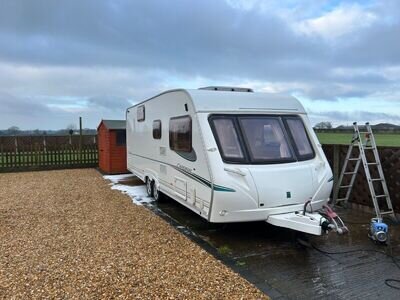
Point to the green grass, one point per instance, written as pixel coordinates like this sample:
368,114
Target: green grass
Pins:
240,263
225,250
382,139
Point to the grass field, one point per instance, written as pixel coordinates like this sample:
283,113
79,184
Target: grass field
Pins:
382,139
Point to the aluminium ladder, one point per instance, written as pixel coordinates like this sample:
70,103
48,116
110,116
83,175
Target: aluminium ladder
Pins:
367,144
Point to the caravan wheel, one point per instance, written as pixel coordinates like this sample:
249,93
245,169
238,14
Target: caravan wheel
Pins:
149,187
158,195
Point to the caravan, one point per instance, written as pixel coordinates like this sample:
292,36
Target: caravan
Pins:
233,155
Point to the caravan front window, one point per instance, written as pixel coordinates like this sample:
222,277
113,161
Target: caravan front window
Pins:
228,138
300,138
261,139
265,139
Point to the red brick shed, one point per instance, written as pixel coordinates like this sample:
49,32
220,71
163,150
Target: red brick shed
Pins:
112,146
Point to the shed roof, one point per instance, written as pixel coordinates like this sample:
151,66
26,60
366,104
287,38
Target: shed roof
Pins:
114,124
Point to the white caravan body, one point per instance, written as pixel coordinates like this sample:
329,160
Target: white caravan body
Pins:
229,156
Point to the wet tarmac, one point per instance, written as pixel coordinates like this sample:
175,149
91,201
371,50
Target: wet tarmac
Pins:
273,259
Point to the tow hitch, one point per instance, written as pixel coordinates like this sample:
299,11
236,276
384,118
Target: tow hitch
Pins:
315,223
336,223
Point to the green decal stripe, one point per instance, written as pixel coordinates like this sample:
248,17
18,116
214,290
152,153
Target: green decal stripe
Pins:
197,178
218,188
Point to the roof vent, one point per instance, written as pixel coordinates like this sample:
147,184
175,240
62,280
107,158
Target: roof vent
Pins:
226,89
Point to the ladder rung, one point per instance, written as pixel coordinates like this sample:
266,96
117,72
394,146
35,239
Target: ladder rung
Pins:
364,132
354,158
348,173
369,148
387,212
341,199
345,186
373,164
377,179
380,196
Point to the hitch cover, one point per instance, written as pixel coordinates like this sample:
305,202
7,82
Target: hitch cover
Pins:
308,223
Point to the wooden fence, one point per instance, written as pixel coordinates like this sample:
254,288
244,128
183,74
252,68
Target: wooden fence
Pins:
25,153
390,159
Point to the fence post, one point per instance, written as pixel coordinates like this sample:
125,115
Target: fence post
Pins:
80,139
16,143
44,144
2,157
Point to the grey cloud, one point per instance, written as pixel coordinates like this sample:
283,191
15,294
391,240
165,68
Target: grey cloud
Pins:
21,106
360,116
187,37
29,114
333,92
109,102
377,46
110,53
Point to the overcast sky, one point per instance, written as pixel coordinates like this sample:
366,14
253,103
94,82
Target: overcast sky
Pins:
63,59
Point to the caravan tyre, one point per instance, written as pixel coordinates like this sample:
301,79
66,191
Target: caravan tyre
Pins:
149,187
156,193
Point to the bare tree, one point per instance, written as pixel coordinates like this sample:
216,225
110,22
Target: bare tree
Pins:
71,126
13,130
323,125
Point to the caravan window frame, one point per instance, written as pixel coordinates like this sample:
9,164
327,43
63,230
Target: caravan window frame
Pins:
248,159
300,157
250,148
172,145
157,129
219,143
140,113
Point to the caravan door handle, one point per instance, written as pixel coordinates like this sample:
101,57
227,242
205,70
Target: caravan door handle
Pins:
235,171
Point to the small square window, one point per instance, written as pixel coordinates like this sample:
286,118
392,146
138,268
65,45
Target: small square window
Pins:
140,113
157,129
121,137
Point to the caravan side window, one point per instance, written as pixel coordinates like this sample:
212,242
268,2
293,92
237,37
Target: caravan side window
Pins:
157,129
140,113
180,134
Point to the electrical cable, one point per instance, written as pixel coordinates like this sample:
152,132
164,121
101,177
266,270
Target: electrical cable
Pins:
390,282
389,222
355,223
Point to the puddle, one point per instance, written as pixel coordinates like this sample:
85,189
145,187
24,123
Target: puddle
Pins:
271,258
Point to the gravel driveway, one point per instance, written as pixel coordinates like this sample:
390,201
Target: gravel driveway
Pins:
66,234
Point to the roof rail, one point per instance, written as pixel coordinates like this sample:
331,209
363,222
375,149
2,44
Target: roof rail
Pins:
227,89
